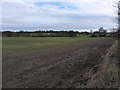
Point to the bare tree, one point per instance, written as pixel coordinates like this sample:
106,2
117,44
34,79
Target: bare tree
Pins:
118,21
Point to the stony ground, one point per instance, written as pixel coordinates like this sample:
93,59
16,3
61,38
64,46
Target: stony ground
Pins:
59,67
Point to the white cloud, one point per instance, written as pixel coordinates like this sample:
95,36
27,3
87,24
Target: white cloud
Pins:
85,14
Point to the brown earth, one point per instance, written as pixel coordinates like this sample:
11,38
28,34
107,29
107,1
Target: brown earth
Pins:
60,67
107,75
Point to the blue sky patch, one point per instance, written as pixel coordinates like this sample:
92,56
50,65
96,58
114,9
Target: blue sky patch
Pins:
60,5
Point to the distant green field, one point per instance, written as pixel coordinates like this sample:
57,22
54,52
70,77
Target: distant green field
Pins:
35,43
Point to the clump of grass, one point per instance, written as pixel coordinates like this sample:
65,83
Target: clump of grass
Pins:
117,56
110,78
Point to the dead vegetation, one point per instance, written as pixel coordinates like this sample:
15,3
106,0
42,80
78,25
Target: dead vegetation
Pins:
107,74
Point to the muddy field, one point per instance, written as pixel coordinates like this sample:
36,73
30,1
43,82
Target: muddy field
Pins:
62,66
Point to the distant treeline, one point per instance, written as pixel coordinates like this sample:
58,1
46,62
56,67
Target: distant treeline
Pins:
40,34
53,34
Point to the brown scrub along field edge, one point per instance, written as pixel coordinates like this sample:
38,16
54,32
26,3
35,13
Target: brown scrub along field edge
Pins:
58,66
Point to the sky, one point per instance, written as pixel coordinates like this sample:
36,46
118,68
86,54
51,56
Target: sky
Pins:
57,14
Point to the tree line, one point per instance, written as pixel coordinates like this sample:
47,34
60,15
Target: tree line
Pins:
40,34
100,33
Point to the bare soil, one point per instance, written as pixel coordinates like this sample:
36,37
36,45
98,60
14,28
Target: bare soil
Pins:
60,67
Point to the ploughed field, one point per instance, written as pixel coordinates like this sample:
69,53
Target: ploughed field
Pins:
47,62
